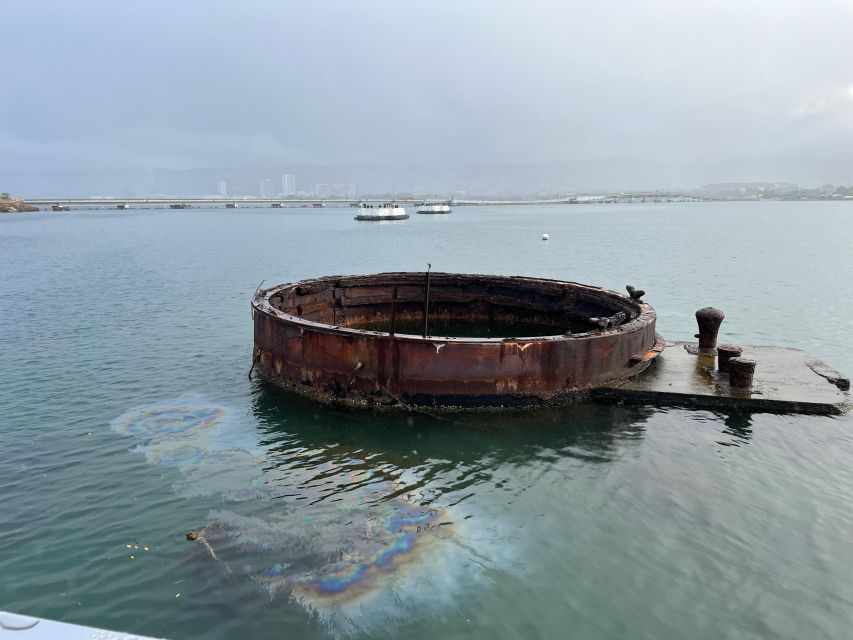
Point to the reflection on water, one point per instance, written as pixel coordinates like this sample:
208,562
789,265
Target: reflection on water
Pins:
739,427
477,440
355,515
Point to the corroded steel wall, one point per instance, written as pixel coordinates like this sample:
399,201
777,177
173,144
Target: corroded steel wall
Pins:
301,342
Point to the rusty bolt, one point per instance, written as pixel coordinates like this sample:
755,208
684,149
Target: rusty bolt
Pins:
709,320
741,371
725,352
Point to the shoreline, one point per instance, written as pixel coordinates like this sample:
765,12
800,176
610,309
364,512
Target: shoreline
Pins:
16,205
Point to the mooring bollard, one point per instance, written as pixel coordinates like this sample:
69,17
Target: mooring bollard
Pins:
741,371
709,320
726,352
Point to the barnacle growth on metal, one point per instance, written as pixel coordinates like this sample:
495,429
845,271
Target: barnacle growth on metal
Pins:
446,340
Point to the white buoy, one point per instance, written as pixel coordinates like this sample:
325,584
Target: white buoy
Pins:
545,236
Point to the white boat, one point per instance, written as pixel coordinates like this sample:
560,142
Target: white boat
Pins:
381,212
434,208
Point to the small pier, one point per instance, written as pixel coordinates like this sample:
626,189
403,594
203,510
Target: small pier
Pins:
785,381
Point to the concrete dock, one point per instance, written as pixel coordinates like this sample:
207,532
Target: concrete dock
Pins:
786,381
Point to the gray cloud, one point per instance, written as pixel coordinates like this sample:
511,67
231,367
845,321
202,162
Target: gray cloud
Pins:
429,86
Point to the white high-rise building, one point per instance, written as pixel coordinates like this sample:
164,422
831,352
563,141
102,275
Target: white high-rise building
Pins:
222,187
288,185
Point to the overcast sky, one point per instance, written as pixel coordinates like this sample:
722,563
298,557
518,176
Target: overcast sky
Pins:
468,82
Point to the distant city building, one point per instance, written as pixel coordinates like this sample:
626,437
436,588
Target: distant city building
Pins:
222,188
266,188
288,185
334,190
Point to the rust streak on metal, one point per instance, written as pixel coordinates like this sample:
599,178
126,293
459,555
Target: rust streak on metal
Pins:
652,353
393,312
426,302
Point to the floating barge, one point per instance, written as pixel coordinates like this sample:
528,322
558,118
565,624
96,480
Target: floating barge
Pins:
439,339
381,212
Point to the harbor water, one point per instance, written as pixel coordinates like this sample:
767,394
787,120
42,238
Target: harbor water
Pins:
127,419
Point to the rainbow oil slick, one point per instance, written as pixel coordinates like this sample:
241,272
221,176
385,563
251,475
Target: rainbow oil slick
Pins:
200,440
354,576
373,550
157,422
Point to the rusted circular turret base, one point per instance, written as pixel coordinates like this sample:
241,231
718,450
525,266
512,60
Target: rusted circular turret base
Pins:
365,340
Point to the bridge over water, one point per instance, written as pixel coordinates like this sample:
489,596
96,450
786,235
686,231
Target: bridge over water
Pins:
187,203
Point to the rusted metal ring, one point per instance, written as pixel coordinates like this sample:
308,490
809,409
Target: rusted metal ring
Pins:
442,371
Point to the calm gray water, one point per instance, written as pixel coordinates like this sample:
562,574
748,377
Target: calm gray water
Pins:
126,418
